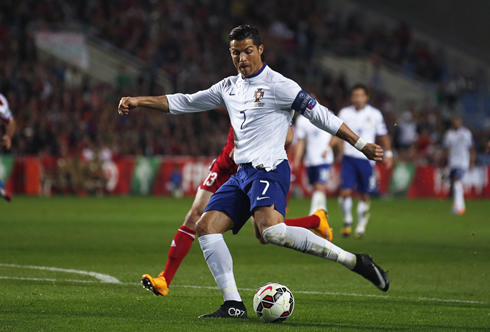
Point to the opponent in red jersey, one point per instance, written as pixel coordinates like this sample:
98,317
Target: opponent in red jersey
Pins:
220,171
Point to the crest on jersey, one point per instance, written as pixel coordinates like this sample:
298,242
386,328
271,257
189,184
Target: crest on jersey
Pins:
259,94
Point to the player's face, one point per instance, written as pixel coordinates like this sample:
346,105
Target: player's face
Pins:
457,122
246,56
359,98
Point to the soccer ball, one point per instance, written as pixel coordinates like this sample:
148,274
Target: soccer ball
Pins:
273,302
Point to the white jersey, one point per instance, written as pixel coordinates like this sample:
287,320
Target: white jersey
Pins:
316,142
5,114
458,142
366,123
260,109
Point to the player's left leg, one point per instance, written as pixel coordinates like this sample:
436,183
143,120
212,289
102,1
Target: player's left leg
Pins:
4,193
366,186
348,177
459,206
363,213
269,222
268,203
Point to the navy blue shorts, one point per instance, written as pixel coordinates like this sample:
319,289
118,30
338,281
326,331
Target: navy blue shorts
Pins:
318,174
357,174
456,174
250,188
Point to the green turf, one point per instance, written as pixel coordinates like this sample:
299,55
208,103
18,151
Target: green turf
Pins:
431,256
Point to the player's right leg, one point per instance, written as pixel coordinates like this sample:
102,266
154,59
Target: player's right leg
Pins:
4,193
181,244
228,209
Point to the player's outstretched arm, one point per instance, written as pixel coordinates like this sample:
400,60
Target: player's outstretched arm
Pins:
159,103
371,151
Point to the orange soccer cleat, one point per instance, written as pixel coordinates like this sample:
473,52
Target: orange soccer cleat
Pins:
323,228
157,285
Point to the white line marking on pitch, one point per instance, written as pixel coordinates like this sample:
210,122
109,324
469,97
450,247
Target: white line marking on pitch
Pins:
105,278
253,290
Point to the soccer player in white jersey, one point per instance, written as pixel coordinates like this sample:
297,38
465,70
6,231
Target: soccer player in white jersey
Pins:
313,145
458,143
260,103
7,120
357,172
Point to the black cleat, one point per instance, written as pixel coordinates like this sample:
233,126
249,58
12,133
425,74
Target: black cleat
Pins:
229,309
366,267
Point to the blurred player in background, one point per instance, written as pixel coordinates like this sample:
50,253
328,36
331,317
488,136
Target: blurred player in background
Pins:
313,144
8,121
458,144
220,171
357,172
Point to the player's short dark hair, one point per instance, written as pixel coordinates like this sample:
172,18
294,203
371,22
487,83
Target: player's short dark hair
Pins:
245,31
360,86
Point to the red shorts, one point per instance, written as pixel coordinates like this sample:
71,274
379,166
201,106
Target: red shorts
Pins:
220,171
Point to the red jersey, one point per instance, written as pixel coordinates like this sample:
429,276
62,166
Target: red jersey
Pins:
222,167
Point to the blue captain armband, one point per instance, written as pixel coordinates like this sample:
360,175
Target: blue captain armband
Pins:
303,101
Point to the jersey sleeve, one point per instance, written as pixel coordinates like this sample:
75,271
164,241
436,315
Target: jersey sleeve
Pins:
200,101
381,126
290,96
5,113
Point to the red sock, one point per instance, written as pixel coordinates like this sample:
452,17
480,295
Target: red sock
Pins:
178,250
305,222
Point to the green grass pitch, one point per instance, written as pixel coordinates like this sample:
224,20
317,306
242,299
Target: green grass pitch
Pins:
439,267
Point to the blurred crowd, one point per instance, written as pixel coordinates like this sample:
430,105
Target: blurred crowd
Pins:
61,112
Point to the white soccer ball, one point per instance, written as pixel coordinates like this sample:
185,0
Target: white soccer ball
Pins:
273,302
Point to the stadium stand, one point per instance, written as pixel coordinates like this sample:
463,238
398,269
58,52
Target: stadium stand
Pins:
62,110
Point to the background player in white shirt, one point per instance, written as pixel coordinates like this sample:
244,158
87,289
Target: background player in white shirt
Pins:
458,143
260,103
8,121
357,172
313,145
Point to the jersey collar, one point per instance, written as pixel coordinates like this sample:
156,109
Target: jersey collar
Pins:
257,73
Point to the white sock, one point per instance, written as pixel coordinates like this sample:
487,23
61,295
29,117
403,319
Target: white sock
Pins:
303,240
363,216
458,195
346,207
220,263
318,201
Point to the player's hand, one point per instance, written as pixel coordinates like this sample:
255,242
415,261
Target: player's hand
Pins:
125,104
325,153
373,152
232,153
388,161
6,142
